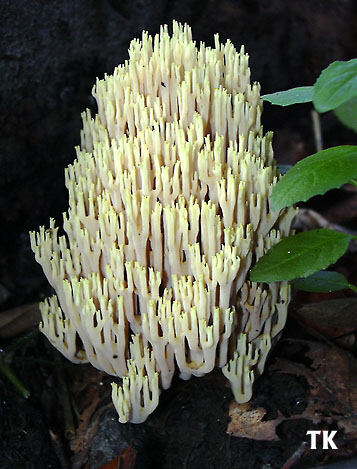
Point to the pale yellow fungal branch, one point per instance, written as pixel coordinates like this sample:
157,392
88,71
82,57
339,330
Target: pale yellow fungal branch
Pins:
239,370
138,397
169,207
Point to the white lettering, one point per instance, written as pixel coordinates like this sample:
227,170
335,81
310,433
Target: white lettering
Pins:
327,439
313,436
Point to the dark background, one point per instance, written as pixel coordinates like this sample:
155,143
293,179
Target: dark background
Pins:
52,51
50,55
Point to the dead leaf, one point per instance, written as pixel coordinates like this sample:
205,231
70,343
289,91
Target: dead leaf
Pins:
332,377
332,318
16,321
126,460
246,422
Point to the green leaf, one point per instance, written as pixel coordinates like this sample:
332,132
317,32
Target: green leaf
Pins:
322,282
336,85
300,255
347,113
316,174
303,94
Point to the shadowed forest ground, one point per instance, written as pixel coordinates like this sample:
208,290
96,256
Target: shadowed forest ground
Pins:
51,54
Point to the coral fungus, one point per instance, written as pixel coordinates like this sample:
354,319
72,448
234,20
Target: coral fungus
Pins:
168,210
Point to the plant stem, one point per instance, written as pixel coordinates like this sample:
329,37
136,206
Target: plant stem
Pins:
352,287
316,124
6,370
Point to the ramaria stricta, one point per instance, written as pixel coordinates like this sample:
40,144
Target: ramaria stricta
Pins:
168,211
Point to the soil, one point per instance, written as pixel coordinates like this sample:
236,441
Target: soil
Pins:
51,54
